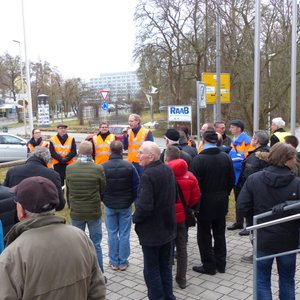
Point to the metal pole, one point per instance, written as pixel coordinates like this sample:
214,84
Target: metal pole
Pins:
256,67
22,87
27,73
218,67
198,111
294,67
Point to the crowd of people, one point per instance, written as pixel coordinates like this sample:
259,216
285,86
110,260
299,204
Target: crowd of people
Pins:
154,190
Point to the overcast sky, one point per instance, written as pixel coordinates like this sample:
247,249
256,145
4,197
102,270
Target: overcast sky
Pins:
82,38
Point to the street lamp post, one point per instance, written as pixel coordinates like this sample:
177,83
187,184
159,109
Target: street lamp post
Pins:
29,99
22,86
256,67
152,91
294,66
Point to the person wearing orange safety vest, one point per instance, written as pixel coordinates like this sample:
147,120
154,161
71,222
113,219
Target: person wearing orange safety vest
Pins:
277,128
101,144
205,126
37,140
134,138
63,151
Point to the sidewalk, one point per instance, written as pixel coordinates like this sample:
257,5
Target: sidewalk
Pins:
236,283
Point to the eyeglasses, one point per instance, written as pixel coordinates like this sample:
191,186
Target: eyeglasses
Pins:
103,127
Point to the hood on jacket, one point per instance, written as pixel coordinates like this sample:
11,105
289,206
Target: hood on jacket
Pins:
277,176
179,166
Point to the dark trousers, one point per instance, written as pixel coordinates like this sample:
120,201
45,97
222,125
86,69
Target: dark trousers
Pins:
238,217
212,256
158,271
181,252
61,170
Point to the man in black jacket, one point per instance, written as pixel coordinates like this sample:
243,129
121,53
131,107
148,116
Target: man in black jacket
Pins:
122,181
154,220
36,165
214,172
172,138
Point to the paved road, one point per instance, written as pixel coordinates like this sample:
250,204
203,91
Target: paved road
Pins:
236,283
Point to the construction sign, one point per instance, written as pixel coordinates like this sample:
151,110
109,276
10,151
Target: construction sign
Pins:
210,80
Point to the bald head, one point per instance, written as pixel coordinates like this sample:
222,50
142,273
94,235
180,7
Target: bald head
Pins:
152,148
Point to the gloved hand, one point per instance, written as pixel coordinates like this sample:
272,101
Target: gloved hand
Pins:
64,160
278,209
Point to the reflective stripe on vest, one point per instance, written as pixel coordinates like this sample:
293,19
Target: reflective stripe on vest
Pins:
242,148
62,150
102,147
42,144
135,142
281,135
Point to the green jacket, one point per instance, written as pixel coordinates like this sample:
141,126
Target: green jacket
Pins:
46,259
86,181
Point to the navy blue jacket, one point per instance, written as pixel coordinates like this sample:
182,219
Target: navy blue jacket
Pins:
122,181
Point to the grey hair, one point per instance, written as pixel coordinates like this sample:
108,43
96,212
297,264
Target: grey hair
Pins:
262,137
42,153
32,215
152,148
136,117
278,122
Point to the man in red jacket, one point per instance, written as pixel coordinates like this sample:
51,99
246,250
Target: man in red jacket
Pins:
188,184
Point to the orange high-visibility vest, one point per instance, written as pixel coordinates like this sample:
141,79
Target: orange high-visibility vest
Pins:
42,144
62,150
200,147
135,142
102,149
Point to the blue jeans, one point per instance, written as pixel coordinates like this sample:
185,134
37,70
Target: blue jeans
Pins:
286,267
118,225
95,231
158,271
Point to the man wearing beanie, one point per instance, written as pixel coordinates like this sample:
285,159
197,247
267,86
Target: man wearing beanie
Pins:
240,146
214,172
86,181
172,136
51,260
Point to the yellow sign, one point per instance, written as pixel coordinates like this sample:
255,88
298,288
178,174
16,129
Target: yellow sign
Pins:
210,80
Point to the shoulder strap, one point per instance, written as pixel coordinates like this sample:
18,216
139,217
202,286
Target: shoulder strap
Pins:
181,195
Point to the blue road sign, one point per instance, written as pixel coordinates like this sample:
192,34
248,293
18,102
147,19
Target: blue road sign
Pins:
104,105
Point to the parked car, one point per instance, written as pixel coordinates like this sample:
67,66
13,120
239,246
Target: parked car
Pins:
163,109
12,147
117,130
151,125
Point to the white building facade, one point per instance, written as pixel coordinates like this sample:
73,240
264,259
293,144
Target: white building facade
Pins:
122,86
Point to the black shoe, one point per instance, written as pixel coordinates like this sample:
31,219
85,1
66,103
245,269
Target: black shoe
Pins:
235,226
221,269
247,259
244,232
182,285
201,269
